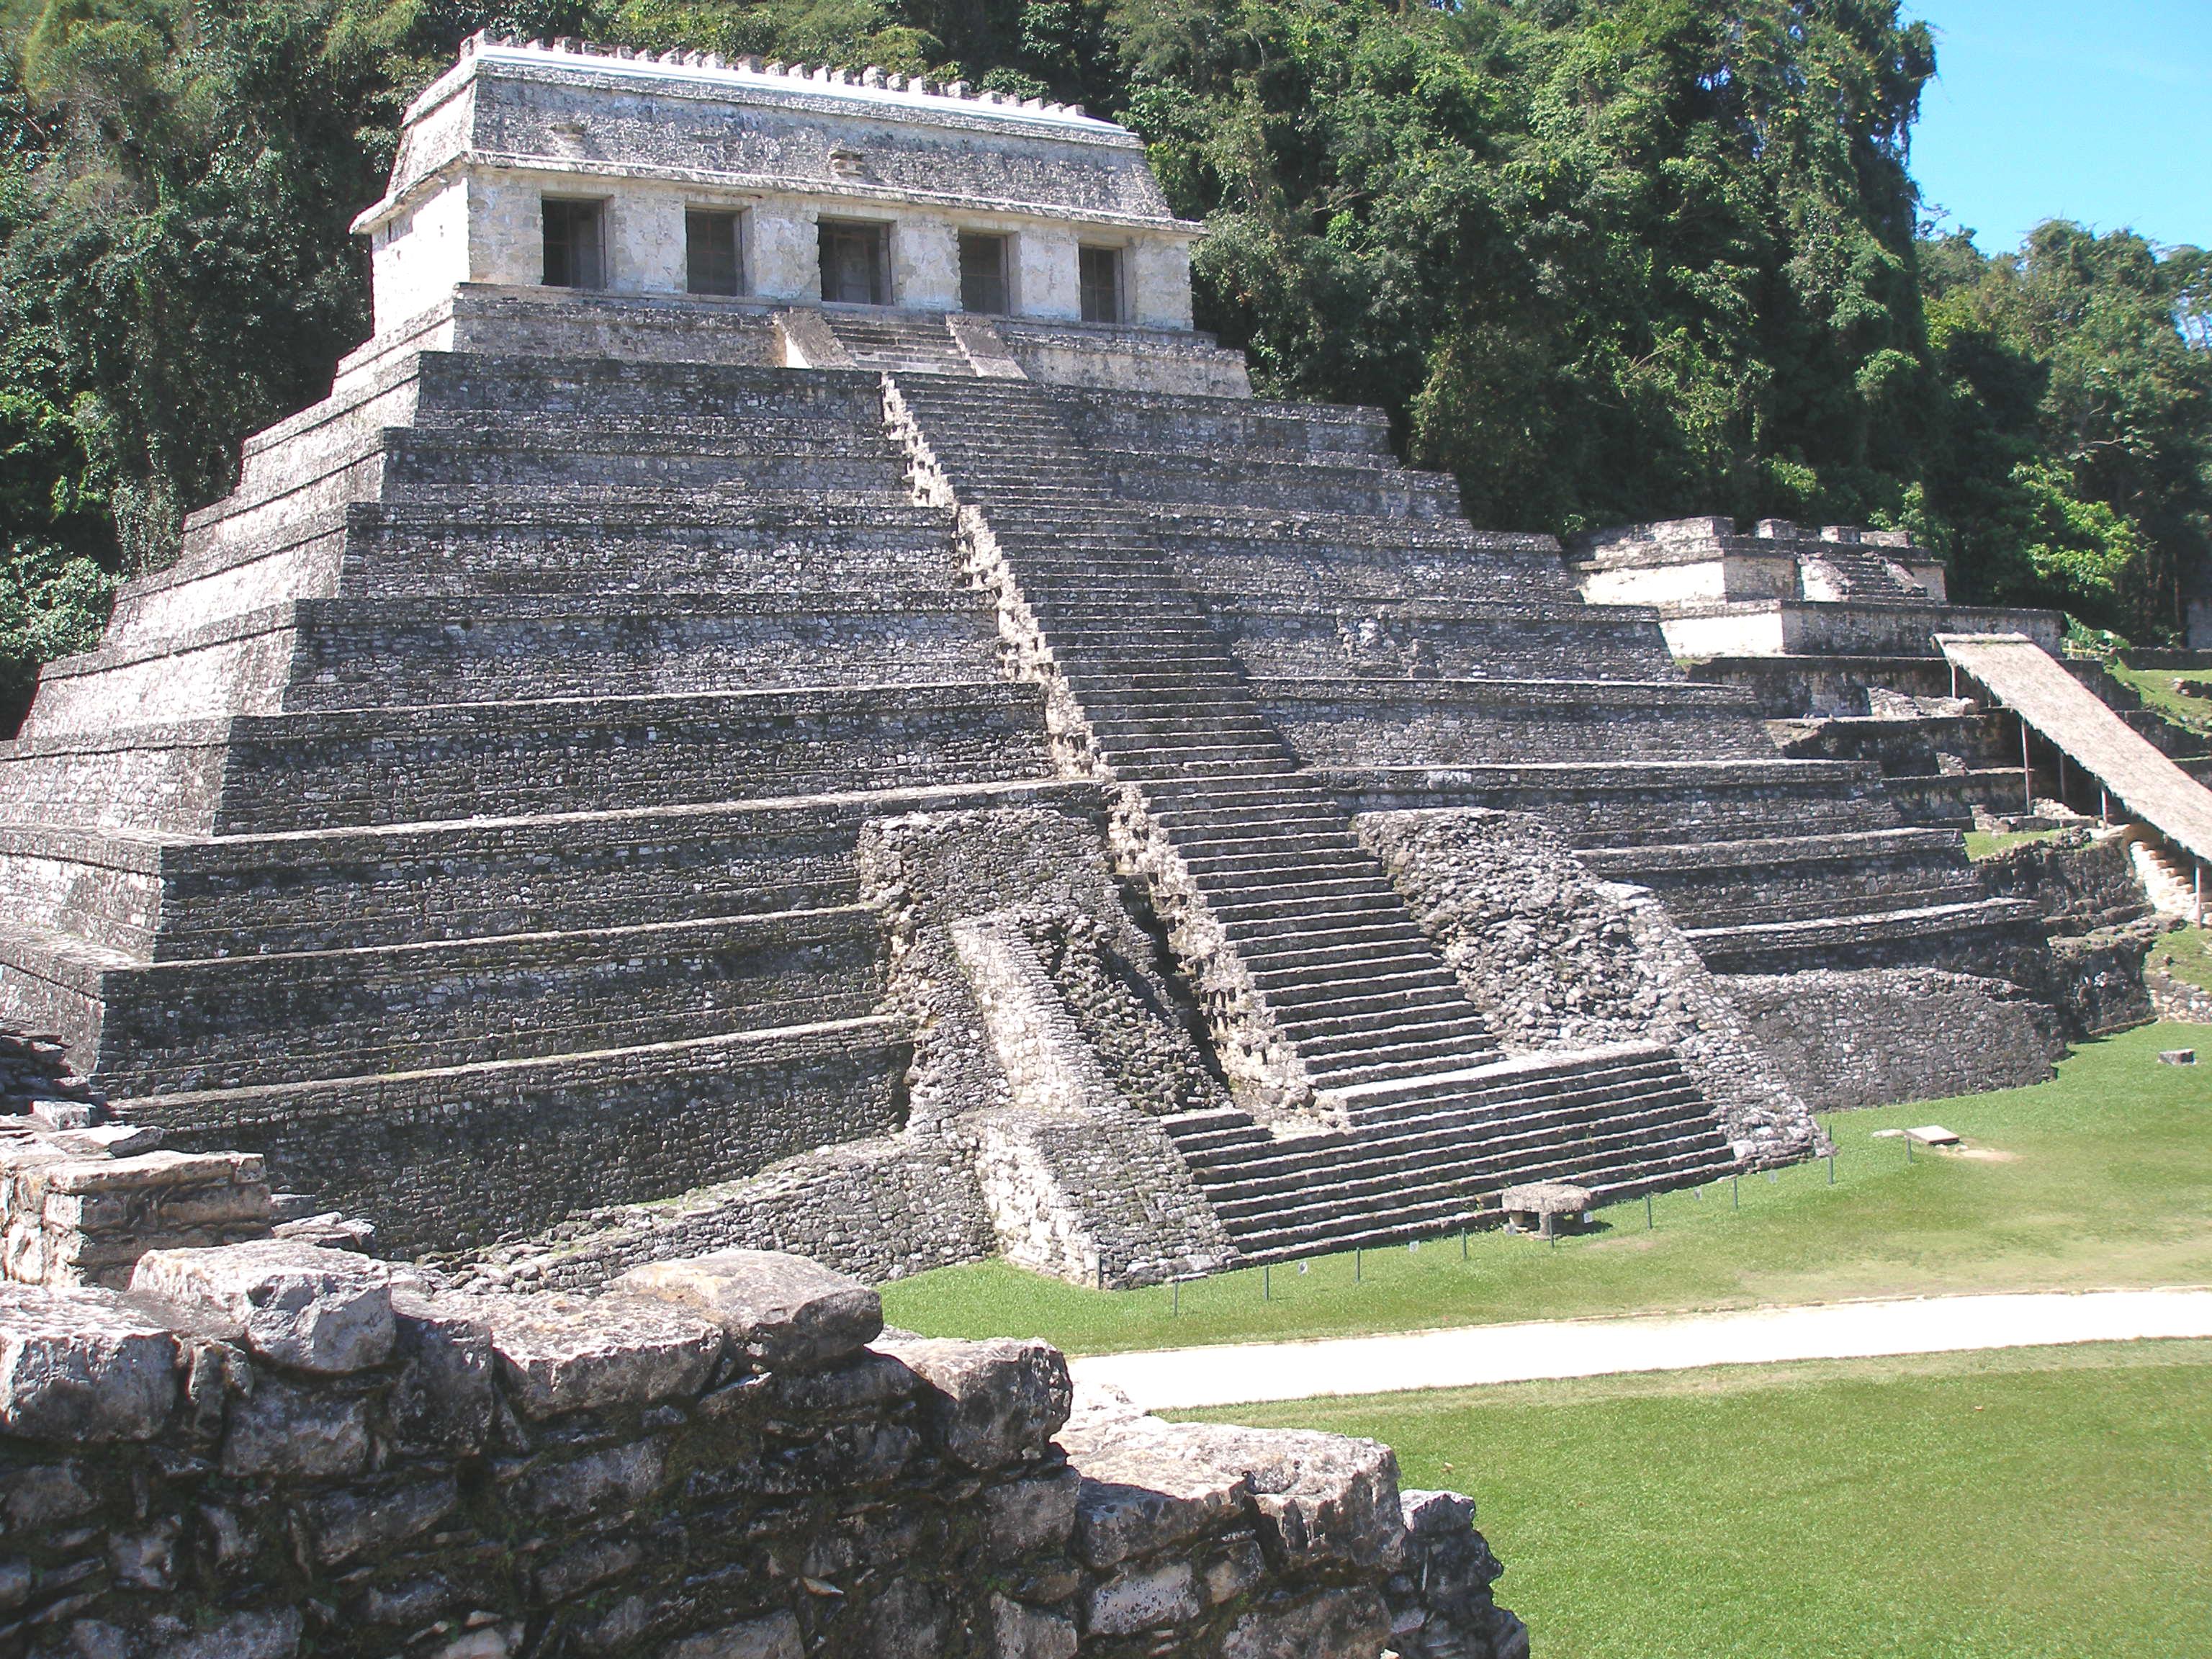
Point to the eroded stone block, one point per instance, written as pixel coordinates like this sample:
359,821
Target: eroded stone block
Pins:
776,1637
782,1312
274,1635
80,1364
342,1525
1335,1624
564,1354
1142,1598
295,1304
1143,1495
285,1429
613,1478
443,1396
1026,1633
989,1404
1025,1516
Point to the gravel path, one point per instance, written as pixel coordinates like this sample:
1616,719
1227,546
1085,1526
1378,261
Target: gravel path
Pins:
1184,1378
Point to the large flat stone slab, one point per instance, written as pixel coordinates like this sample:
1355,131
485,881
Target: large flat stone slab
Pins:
570,1354
782,1312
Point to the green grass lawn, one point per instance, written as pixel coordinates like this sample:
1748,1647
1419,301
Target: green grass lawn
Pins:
2186,954
2159,690
2101,1177
2054,1502
1982,844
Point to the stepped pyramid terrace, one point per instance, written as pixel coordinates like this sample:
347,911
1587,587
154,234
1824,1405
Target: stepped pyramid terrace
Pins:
787,698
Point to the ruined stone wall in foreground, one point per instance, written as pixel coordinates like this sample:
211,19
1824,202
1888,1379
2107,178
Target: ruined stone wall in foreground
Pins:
272,1448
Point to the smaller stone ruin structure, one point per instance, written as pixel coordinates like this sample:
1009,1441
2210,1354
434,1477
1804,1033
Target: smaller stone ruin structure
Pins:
1857,599
1846,639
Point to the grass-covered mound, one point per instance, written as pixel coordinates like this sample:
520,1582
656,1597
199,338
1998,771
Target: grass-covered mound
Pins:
2186,954
2101,1177
2048,1502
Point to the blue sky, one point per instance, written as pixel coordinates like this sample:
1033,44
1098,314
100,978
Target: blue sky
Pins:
2094,110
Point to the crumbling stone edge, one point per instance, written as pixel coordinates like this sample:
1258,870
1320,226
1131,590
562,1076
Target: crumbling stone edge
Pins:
274,1448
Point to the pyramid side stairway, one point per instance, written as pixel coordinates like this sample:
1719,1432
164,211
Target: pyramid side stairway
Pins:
1411,661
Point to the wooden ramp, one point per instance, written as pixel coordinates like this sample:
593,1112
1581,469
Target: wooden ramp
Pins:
2021,676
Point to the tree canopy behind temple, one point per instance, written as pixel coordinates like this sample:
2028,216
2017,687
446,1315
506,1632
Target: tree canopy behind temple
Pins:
1605,261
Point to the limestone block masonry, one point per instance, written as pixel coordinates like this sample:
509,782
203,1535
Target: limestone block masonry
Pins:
636,772
639,139
275,1448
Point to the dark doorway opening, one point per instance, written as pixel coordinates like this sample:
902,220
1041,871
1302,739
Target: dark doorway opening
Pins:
714,252
575,243
983,275
855,262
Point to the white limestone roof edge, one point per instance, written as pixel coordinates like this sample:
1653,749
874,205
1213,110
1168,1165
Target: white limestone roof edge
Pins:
712,71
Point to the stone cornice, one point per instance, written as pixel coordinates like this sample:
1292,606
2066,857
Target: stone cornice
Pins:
860,191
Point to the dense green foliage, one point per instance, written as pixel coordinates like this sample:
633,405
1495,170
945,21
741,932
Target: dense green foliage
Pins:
1605,259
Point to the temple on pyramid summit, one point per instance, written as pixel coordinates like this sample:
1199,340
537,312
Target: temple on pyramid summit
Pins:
788,698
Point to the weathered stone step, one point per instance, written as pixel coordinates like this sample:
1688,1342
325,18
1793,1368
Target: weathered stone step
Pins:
153,899
1377,1167
1248,866
1334,1034
1859,940
1248,825
1301,922
240,1022
1404,985
467,382
1469,1206
1528,1094
825,434
447,1157
1619,1147
1322,949
1383,1107
1388,1057
372,652
424,466
331,769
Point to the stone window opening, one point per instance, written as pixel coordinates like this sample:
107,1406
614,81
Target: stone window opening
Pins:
855,262
575,243
983,275
1098,283
714,251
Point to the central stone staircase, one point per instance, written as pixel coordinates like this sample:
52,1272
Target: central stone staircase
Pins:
1339,991
899,342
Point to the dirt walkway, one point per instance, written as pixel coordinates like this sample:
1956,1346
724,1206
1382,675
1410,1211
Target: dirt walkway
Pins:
1184,1378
